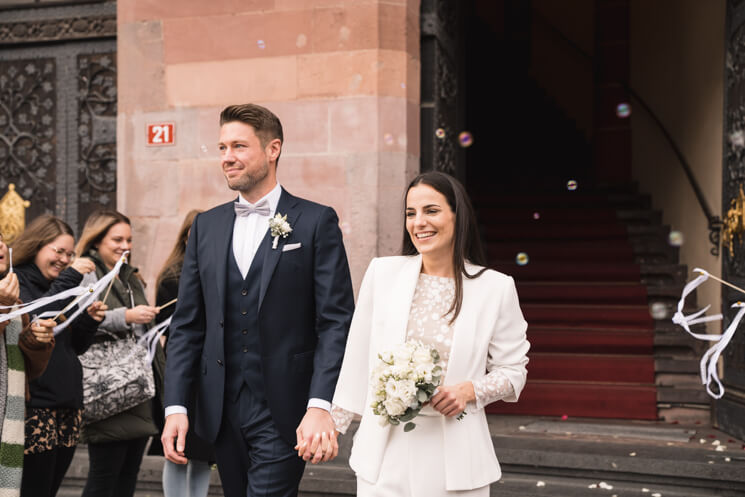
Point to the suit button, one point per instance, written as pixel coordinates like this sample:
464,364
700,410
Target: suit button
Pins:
244,312
244,331
221,323
245,349
244,292
219,361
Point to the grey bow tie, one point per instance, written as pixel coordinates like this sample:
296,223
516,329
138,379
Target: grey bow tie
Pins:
243,210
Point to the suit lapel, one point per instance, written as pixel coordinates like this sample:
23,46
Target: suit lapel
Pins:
222,243
401,296
287,205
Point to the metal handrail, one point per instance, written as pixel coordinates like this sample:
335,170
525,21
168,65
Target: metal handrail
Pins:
714,222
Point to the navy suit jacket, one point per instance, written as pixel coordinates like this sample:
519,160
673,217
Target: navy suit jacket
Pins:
306,303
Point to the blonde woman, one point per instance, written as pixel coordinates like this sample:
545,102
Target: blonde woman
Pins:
116,444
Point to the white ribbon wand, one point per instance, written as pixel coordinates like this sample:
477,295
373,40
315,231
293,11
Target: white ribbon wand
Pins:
26,308
10,256
708,364
94,292
150,339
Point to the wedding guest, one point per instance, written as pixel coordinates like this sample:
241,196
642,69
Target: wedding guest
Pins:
193,478
437,292
35,343
116,444
46,265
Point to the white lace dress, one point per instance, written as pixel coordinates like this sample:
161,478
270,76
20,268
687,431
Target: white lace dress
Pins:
427,323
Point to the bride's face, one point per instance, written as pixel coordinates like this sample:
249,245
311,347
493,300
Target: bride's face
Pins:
430,221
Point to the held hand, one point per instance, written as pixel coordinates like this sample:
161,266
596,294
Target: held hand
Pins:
97,310
43,330
316,436
140,314
83,265
9,289
451,400
175,432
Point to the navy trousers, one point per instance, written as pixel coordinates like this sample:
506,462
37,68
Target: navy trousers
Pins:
252,457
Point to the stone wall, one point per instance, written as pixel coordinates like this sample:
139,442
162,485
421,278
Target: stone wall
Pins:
342,75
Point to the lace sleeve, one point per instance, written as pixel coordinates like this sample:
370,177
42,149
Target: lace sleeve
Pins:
491,387
342,418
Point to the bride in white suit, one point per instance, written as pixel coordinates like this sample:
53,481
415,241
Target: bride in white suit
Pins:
437,292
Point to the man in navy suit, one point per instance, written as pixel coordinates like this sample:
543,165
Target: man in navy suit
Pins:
261,321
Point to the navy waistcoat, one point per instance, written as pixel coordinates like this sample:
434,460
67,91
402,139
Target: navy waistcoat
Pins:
242,340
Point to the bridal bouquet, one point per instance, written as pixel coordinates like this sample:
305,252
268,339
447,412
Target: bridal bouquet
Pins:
404,379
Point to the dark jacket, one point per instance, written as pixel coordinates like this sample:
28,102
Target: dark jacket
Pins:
196,448
305,307
126,292
61,385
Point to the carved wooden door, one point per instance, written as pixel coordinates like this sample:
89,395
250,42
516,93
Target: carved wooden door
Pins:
58,106
729,412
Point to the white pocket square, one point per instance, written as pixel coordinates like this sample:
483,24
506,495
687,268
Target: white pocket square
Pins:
291,246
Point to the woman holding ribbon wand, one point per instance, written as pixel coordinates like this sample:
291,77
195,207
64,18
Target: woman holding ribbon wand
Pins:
46,265
35,342
116,444
437,293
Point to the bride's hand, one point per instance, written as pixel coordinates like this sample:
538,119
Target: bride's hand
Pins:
451,400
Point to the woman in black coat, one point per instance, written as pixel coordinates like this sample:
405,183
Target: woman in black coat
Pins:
46,265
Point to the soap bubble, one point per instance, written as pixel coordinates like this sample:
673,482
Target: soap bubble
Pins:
522,259
440,133
301,40
261,44
658,310
571,185
536,215
623,110
388,139
465,139
675,238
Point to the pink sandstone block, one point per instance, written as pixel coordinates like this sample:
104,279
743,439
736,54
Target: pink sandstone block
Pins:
225,82
141,65
320,172
236,36
305,124
354,125
345,28
336,74
143,10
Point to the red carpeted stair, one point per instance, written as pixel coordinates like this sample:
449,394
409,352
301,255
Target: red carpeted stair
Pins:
590,329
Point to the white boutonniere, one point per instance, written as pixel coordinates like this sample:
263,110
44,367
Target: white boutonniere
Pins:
280,227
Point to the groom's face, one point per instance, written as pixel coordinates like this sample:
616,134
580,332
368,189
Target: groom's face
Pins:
244,160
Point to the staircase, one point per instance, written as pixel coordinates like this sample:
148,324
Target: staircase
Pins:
589,266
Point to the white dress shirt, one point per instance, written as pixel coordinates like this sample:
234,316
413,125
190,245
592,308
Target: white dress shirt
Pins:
248,232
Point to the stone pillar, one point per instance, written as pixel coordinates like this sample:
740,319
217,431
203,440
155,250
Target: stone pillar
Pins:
343,76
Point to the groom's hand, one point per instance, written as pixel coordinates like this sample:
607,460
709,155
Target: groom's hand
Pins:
175,431
316,436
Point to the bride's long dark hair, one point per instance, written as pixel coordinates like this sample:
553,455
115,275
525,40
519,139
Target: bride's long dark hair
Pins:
467,243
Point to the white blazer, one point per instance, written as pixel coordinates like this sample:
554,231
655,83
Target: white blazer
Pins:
489,334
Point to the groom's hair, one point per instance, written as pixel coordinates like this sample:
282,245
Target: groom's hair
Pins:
266,125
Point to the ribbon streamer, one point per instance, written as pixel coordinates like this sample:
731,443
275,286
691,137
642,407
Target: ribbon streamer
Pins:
10,256
150,339
35,304
710,359
686,321
94,292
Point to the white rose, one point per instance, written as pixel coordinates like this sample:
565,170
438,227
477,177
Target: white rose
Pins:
394,406
422,355
424,372
402,354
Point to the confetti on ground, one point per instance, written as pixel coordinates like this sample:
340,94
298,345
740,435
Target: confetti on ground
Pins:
540,484
521,428
715,442
727,459
711,462
632,454
564,417
702,440
605,486
592,485
721,448
645,490
656,494
614,465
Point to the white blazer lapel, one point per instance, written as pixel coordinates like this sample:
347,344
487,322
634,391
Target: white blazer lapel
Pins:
400,295
461,350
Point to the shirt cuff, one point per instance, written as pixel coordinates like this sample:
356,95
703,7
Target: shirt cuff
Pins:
175,410
320,403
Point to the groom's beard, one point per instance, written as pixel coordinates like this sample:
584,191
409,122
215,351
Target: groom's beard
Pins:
246,182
